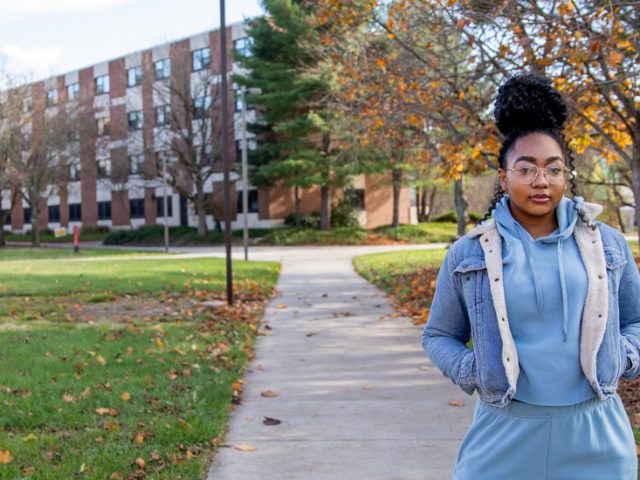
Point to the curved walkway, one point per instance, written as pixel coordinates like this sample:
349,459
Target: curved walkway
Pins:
356,396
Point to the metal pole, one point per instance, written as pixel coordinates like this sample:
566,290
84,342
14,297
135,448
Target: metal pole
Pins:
245,176
165,203
225,152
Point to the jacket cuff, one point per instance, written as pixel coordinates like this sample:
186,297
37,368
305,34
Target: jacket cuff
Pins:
633,360
468,373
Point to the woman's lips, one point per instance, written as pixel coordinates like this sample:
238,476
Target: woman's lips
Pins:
540,198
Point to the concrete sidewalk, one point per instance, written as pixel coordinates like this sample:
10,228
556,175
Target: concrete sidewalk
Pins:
357,397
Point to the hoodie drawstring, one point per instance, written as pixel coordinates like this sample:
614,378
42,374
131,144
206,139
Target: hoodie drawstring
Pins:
536,281
563,288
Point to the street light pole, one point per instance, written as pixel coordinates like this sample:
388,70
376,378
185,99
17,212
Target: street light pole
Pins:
245,176
225,152
164,202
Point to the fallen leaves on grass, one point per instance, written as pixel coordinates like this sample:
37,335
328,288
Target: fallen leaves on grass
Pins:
5,456
107,411
412,292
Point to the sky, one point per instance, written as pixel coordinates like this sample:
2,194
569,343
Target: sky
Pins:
41,38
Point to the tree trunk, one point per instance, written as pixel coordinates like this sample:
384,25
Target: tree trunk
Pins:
202,213
432,198
296,192
461,206
35,233
325,208
421,202
635,175
396,179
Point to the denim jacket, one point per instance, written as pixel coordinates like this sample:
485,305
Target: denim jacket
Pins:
470,303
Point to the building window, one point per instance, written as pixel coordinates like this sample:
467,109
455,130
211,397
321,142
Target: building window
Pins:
52,97
162,115
104,168
103,125
252,204
136,163
242,46
208,152
7,219
357,198
75,212
73,91
74,171
200,59
161,69
102,84
251,145
160,207
134,76
27,214
201,105
238,96
54,213
136,207
135,120
26,105
104,210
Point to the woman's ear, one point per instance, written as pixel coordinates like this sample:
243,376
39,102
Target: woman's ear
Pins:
502,178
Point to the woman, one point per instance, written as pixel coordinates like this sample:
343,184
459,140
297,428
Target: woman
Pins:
551,299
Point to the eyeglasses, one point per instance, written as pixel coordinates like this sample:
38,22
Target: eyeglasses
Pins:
554,173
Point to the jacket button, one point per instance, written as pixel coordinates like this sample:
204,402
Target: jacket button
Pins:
486,240
600,316
503,319
490,251
496,279
468,278
508,359
600,277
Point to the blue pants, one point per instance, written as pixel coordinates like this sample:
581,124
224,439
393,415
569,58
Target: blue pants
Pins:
592,440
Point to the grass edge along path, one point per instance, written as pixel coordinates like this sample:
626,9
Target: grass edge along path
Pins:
142,398
409,278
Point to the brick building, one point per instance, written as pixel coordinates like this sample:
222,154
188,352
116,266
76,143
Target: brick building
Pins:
128,112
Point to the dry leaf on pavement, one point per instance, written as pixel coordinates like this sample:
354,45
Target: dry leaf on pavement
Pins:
271,421
245,448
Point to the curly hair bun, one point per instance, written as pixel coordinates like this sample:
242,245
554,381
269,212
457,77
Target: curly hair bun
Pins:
529,102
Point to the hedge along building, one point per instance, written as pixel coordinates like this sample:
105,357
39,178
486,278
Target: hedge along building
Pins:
161,104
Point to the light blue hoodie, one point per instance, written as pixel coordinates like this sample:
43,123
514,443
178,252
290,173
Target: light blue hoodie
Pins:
545,290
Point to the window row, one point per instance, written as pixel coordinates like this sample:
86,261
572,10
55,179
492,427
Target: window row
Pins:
136,209
200,60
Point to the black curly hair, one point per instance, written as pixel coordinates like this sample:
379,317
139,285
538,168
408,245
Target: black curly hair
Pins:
527,103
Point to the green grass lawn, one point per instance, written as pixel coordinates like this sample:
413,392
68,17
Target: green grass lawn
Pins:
28,253
88,393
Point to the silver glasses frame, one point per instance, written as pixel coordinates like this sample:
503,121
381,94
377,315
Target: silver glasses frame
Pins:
544,173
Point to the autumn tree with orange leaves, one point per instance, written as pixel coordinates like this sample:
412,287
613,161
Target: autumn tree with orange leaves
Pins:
590,49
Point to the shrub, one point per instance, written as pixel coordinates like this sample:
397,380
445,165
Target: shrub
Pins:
451,217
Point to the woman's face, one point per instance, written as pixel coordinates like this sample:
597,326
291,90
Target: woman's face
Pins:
535,202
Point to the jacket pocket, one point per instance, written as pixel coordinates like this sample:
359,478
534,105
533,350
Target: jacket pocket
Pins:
470,274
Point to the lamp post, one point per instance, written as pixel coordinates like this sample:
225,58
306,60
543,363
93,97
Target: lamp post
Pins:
164,203
225,152
245,176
